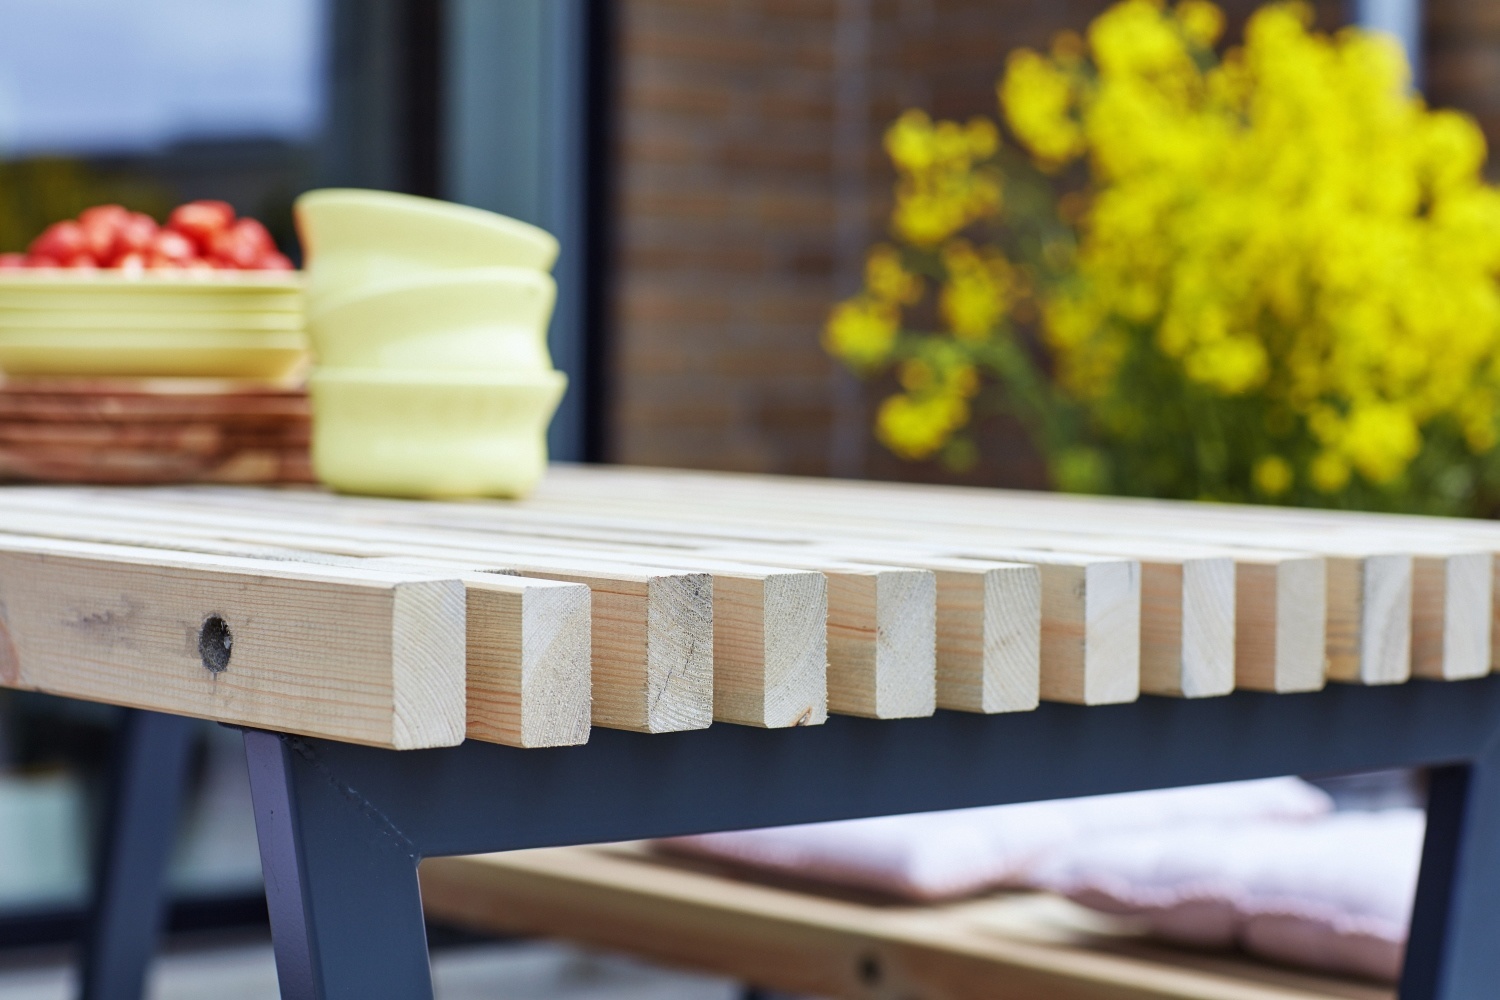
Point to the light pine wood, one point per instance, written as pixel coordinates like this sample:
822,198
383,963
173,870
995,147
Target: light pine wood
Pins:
1281,611
1354,629
1090,610
777,678
989,648
652,627
365,656
1452,616
1370,619
697,915
768,648
528,661
527,687
653,645
882,641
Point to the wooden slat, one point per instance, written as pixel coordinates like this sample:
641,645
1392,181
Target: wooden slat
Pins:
361,655
1365,643
528,661
788,939
989,635
1281,623
1090,650
528,658
652,628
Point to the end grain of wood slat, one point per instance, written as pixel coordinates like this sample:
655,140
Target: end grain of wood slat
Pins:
882,641
1370,619
653,642
529,661
989,635
770,647
1452,616
1281,613
364,656
1091,632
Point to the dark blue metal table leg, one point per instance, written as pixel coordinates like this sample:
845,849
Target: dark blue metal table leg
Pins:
341,883
144,803
1453,953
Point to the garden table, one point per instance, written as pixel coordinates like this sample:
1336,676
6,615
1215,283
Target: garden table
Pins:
632,654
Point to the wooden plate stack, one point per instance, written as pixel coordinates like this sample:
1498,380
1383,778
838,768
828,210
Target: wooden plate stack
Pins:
141,431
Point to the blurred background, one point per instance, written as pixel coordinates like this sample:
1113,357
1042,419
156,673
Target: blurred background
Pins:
713,169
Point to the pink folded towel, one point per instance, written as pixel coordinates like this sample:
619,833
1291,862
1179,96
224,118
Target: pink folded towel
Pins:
1332,893
1263,865
933,856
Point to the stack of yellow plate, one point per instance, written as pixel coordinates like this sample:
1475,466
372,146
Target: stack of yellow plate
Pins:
428,324
238,324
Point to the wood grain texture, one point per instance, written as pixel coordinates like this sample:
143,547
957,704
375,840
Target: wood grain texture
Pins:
1091,624
528,661
1187,627
1354,630
882,641
989,635
652,627
784,938
1370,619
365,656
528,644
770,647
1452,616
1281,612
653,646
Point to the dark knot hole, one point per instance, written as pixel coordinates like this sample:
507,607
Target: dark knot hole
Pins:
215,644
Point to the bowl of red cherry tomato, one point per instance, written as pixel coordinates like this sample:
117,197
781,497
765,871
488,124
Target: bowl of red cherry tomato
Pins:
114,293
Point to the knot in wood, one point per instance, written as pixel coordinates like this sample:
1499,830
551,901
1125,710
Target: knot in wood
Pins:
215,644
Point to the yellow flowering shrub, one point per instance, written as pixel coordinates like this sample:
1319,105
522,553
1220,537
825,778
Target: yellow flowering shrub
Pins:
1262,273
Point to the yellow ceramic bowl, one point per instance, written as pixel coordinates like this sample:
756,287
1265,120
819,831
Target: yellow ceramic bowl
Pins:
234,324
485,319
64,291
252,354
104,320
431,434
355,238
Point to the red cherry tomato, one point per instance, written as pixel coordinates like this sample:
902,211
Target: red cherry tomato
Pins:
170,245
42,260
274,261
136,234
133,262
12,261
200,220
242,245
101,230
62,241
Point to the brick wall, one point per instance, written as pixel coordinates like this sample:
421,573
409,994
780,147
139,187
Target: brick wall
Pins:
751,182
1462,54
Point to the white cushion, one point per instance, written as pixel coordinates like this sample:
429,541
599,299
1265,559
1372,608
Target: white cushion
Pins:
1332,892
932,856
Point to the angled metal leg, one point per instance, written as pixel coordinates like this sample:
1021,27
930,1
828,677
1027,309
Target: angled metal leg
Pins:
1452,953
130,891
341,883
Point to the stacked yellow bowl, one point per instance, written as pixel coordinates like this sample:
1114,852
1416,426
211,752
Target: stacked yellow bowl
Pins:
428,323
224,324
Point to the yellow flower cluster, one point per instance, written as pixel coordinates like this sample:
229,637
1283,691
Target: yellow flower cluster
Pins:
940,191
1281,247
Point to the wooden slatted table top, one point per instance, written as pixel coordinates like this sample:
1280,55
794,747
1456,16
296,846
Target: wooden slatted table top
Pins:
660,601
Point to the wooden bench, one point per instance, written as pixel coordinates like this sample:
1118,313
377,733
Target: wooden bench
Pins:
806,939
